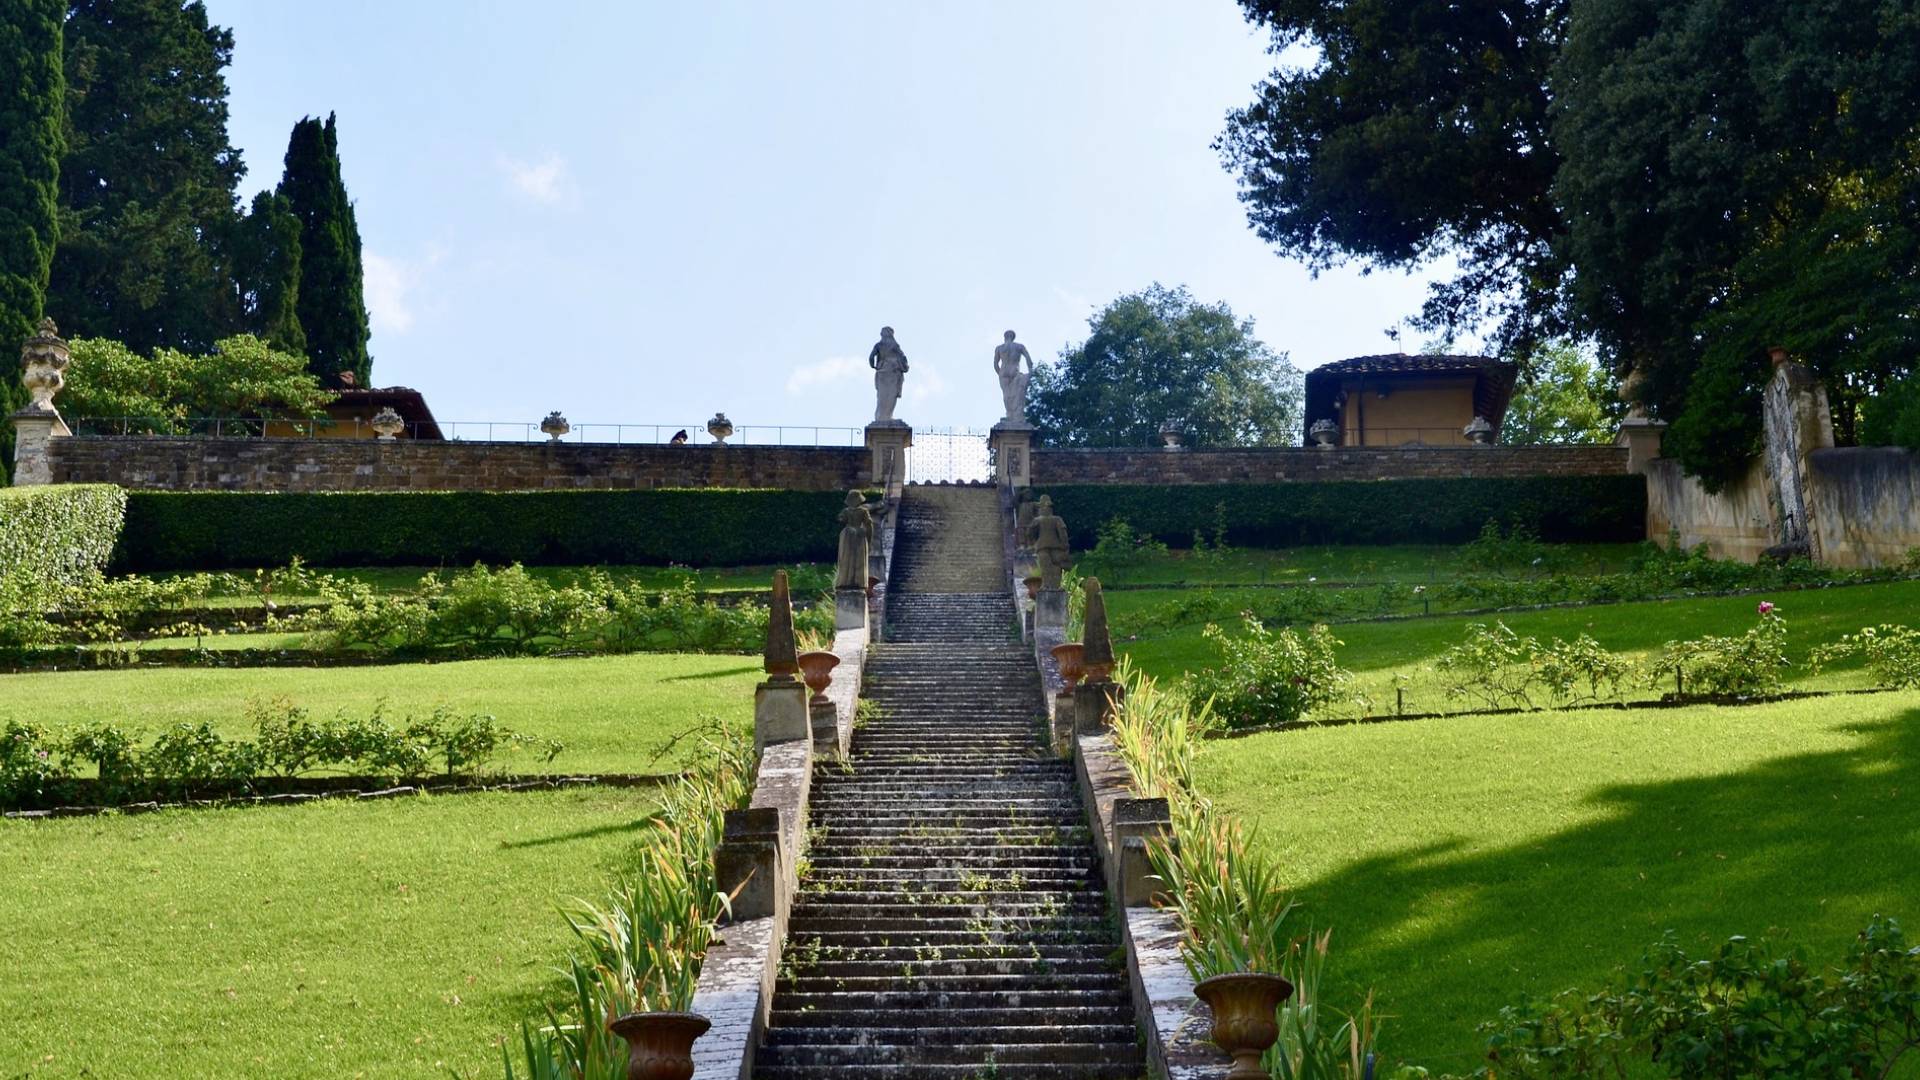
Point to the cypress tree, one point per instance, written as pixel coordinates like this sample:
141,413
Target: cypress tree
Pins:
332,309
148,184
267,256
30,144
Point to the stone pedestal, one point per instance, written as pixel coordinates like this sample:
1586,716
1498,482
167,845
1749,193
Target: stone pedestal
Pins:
33,429
1094,706
887,442
1063,720
1012,446
1135,823
780,713
1641,435
849,609
824,718
1050,609
746,865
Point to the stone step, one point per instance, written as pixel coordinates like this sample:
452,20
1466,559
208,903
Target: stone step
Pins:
831,1016
993,1069
979,1055
1005,1034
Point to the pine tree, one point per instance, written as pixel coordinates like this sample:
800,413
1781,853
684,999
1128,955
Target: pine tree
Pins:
332,309
30,144
267,258
147,187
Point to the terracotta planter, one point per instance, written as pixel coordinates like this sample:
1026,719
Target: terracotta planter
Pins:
660,1044
873,583
816,670
1244,1026
1032,582
1068,657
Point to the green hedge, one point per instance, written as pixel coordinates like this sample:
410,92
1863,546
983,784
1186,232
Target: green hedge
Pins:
60,534
205,530
1559,508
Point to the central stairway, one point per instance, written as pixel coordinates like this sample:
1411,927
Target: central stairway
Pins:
952,919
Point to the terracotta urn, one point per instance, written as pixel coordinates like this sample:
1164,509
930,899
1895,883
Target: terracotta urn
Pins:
660,1044
1244,1025
1068,657
816,669
1033,586
872,584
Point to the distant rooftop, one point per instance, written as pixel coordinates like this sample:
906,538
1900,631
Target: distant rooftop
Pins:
1493,383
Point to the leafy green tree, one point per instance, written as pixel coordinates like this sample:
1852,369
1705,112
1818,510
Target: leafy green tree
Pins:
1682,183
332,309
1563,397
241,377
267,257
31,109
1156,356
147,187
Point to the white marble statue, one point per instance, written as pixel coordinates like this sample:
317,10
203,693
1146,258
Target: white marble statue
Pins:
889,364
1013,381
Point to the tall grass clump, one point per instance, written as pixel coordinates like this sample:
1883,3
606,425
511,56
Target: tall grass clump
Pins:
1234,910
639,949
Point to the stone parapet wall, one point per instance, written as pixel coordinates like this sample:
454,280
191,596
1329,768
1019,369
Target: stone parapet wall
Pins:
201,464
1862,508
1265,465
1737,522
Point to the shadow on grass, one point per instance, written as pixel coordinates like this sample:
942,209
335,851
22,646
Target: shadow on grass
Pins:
1814,844
723,673
594,833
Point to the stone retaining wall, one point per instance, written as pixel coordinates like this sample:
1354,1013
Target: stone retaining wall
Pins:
1275,464
203,464
1862,508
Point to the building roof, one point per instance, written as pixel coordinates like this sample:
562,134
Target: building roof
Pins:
1492,387
404,400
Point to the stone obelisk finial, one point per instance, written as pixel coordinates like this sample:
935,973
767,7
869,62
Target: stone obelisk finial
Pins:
783,655
1097,652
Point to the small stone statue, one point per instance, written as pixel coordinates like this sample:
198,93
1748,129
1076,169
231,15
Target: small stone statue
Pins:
856,535
1013,382
1050,544
889,364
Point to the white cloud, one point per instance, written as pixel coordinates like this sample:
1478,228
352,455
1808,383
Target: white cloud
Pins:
924,383
387,282
831,370
544,181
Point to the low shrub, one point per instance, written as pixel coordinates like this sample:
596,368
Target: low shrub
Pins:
1891,653
1559,508
57,536
1267,677
708,526
1749,1008
1750,665
1499,669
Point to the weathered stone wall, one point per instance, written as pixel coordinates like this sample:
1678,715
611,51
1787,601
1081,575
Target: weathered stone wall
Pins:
368,465
1737,523
1864,504
1277,464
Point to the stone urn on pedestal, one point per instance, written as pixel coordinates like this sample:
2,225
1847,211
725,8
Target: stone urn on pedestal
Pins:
660,1044
555,426
1068,657
1324,433
720,428
1480,431
816,670
387,425
1243,1005
43,362
1171,433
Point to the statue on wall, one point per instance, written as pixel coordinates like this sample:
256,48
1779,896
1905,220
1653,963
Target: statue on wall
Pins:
1013,381
889,364
1050,544
856,535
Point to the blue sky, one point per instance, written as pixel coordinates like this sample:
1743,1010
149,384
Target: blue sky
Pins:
643,212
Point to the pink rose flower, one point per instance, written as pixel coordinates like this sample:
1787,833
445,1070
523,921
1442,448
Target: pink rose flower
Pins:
1766,607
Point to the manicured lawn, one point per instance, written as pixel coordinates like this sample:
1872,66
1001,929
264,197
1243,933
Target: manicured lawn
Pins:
1411,563
1465,862
612,712
1375,651
387,939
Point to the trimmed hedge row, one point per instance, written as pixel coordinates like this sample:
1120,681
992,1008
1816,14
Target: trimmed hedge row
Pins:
208,530
59,534
1558,508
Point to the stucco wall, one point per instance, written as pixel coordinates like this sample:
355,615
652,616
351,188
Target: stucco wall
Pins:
1736,523
365,465
1278,464
1864,503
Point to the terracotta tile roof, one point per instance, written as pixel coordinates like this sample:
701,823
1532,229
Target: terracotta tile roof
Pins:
405,400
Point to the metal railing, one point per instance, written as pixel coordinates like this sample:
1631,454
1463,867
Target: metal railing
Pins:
1395,437
228,427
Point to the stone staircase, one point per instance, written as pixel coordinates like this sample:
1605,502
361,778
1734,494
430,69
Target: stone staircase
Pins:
952,921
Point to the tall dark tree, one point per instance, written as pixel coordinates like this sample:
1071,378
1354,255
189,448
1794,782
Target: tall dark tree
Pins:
31,69
1681,182
267,258
147,187
332,308
1157,356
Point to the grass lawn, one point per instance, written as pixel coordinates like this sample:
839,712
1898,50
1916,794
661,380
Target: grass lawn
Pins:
612,712
386,939
1465,862
1375,651
1412,563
